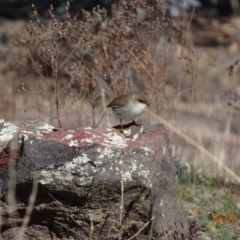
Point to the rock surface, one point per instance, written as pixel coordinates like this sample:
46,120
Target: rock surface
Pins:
91,183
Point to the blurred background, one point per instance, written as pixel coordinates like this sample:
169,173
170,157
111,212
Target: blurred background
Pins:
183,54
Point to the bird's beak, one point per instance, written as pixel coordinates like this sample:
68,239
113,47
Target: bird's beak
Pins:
147,103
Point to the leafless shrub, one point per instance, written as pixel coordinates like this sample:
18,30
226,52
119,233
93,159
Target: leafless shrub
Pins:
132,48
232,66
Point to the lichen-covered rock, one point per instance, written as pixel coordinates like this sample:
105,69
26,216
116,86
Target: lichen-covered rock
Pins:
92,182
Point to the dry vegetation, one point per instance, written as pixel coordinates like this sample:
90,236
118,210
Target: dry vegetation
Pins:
134,49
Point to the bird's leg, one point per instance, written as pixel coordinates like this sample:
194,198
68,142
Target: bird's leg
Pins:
138,124
121,126
121,130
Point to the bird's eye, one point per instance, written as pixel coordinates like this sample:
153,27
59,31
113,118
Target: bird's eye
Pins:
144,102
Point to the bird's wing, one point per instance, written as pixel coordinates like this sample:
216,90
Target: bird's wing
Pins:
114,103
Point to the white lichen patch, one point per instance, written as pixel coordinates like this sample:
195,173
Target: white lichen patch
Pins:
146,149
8,131
39,134
144,174
140,165
81,159
90,139
51,166
164,150
134,165
46,127
135,137
135,168
113,139
23,136
106,152
63,173
87,140
47,177
83,181
68,137
141,129
127,132
127,176
73,143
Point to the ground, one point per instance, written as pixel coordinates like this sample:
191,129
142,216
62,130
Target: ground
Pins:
213,204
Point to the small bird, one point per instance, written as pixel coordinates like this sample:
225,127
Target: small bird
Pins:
129,106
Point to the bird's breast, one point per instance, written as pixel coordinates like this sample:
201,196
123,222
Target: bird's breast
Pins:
131,110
